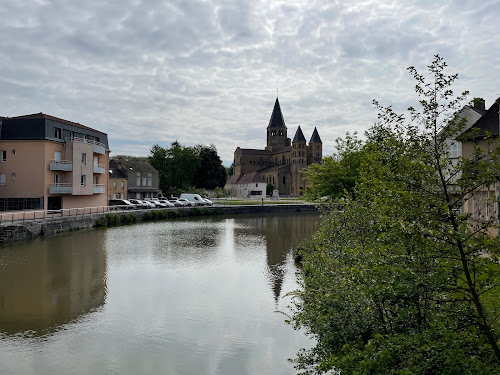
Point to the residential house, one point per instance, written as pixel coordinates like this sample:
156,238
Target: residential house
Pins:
117,186
142,178
483,204
250,185
51,163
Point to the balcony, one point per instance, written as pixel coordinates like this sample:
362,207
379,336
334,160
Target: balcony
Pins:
99,148
99,168
61,188
61,165
98,189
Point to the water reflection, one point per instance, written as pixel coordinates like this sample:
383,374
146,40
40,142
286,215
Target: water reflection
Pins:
44,284
279,234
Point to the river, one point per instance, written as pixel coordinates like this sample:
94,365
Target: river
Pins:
187,296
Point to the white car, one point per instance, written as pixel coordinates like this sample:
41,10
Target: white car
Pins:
148,203
185,202
166,203
209,202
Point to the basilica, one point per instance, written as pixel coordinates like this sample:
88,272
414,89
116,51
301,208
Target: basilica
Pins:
278,164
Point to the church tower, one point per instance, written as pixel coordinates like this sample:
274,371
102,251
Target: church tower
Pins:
315,148
299,161
276,130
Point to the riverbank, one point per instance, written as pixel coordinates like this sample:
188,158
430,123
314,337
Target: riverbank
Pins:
21,231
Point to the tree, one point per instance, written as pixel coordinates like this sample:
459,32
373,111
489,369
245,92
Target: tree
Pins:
401,281
211,173
269,189
338,174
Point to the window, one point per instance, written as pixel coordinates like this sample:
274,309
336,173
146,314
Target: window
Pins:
114,184
57,155
453,150
144,181
150,179
138,180
13,152
84,159
83,180
3,155
123,185
114,196
256,185
284,180
57,178
57,133
3,178
96,180
96,161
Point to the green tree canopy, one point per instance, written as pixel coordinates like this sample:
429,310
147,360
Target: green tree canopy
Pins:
402,281
211,173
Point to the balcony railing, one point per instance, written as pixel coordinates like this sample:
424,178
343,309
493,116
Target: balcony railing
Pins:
61,165
98,189
99,168
99,148
63,188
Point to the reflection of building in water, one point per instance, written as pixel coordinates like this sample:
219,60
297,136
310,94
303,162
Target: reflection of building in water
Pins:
282,234
46,283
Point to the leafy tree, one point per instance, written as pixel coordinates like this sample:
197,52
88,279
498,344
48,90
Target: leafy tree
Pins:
338,174
269,189
211,173
402,282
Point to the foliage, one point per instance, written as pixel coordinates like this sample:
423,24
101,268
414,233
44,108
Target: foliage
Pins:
269,189
398,283
211,173
131,158
112,220
222,193
181,168
337,174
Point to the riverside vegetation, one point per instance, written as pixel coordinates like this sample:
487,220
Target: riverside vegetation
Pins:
400,281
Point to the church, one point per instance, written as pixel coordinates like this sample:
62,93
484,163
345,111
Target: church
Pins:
278,164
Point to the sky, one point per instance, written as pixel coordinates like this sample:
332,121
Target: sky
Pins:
208,71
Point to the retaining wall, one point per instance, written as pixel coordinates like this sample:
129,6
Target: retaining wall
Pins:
11,232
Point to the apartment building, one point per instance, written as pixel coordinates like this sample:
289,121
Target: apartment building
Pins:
51,163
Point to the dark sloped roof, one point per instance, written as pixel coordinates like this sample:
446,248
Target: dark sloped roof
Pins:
53,118
299,136
138,166
273,168
488,124
276,120
248,178
254,151
115,171
315,137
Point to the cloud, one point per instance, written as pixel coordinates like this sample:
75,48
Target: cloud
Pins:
206,71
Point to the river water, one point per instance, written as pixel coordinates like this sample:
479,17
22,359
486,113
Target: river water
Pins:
188,296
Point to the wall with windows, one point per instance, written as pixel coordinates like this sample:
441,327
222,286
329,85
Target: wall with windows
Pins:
117,188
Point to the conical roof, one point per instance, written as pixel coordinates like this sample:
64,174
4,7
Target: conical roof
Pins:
299,136
315,137
276,120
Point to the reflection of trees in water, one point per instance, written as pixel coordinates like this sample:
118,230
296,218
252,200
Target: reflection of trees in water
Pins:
282,233
49,282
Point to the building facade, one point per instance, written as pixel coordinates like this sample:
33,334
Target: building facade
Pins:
117,187
142,178
50,163
282,160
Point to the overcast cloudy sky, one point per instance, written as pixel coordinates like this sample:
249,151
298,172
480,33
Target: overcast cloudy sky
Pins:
206,71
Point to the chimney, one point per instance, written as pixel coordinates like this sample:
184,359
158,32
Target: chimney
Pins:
480,105
120,161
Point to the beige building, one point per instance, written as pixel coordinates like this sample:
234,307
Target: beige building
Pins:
50,163
117,186
483,204
282,160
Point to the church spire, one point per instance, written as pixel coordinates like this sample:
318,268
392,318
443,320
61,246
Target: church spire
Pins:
299,136
277,120
315,137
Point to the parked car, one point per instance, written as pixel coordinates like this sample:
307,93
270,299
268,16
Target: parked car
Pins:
175,202
185,202
167,203
148,203
122,203
155,202
209,202
194,198
138,203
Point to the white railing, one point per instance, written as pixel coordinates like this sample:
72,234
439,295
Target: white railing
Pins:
99,168
99,148
63,188
98,189
61,165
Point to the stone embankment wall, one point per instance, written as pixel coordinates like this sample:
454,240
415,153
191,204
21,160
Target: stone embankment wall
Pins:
20,231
